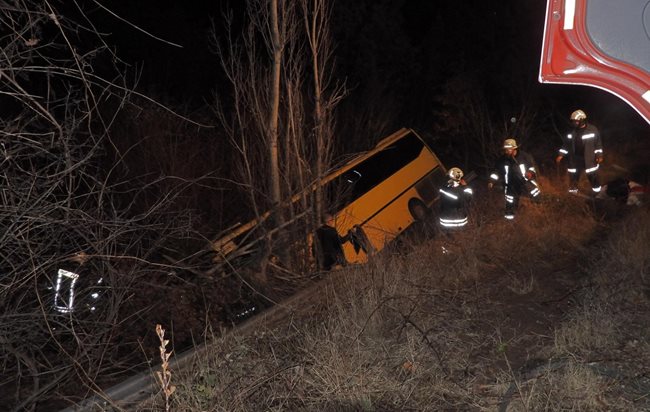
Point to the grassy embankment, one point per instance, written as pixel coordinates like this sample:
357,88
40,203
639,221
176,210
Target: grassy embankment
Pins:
545,313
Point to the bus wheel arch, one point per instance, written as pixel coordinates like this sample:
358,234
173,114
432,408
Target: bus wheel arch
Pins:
418,209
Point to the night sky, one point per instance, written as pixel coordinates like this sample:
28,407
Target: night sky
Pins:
399,54
381,32
188,72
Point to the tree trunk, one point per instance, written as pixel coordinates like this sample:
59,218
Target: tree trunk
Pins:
274,114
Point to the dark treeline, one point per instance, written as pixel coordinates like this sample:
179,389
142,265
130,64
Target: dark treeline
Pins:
407,63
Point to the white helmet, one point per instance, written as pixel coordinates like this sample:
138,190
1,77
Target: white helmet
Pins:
510,144
578,115
455,174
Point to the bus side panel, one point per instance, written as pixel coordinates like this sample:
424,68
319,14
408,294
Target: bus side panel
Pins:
390,221
383,211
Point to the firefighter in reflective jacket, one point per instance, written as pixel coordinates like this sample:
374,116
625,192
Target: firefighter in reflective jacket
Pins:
515,170
454,199
584,151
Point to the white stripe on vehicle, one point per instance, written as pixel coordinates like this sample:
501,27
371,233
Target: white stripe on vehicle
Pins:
569,14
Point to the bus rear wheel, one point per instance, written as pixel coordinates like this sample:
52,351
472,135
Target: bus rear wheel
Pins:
418,209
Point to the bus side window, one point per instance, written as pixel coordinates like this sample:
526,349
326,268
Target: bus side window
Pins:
385,163
366,175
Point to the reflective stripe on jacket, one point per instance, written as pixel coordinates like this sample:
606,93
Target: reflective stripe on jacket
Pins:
454,199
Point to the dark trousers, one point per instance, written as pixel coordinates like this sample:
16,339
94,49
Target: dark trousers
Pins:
512,203
574,178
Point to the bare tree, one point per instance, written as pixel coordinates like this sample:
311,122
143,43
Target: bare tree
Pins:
264,109
277,46
72,247
317,17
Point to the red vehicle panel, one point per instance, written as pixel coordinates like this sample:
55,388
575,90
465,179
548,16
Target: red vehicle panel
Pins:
599,43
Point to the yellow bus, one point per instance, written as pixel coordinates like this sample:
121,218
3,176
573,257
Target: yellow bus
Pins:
376,195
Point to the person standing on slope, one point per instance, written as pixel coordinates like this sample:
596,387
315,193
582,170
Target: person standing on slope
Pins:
583,148
515,170
454,200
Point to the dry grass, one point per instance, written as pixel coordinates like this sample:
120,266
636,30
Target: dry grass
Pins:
165,374
602,338
569,386
427,330
591,327
625,258
618,281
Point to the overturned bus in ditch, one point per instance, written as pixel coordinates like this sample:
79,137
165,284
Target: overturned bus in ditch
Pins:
375,196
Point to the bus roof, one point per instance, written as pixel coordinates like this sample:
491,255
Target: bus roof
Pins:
599,43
